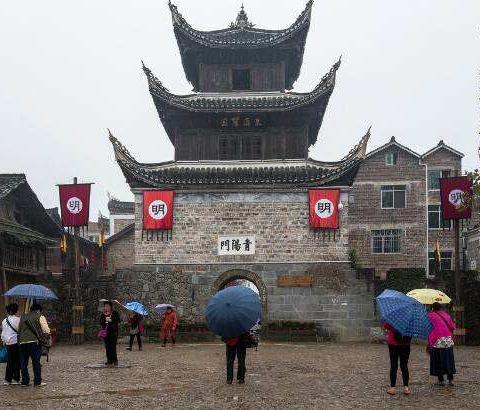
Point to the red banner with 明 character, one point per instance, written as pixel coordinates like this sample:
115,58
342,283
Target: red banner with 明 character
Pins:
455,193
75,204
324,208
157,210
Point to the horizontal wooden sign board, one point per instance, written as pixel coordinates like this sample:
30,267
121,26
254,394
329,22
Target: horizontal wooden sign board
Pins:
290,281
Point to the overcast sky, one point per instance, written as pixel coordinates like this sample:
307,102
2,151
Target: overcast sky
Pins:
71,69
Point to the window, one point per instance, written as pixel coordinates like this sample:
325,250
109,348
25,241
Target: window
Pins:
435,220
393,196
251,147
390,159
386,241
434,178
445,261
241,79
229,148
233,147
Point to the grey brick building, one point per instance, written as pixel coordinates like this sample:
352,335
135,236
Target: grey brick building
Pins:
242,169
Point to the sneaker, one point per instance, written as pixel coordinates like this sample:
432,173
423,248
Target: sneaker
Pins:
40,385
129,349
15,382
229,381
5,383
392,391
451,384
407,391
441,384
241,382
25,385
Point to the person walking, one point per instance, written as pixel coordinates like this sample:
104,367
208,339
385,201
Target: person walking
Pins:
10,338
33,333
109,321
440,345
399,350
169,326
135,323
236,347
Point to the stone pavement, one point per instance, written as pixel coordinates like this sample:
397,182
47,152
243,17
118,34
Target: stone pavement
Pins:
280,376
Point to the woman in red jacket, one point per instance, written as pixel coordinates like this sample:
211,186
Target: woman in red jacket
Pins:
399,349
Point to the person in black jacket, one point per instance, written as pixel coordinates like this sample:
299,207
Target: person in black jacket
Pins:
236,347
109,321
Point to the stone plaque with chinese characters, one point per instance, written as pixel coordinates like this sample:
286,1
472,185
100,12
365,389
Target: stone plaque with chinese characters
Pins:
236,245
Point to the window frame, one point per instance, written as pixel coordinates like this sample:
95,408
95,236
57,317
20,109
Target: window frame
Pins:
395,235
442,223
393,190
431,260
393,156
444,173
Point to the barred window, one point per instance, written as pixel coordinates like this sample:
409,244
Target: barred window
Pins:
386,240
435,220
393,196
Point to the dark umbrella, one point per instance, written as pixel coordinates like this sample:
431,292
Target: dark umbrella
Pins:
404,313
233,311
29,291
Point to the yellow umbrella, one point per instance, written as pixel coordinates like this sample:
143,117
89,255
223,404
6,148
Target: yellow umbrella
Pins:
429,296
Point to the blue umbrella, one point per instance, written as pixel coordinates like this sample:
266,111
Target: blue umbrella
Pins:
29,291
233,311
137,307
404,313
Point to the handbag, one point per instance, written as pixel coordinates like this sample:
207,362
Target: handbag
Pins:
3,354
102,334
251,340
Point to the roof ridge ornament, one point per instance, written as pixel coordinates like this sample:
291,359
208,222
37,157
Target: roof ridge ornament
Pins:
242,21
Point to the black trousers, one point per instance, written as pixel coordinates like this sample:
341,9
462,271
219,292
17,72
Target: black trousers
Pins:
241,353
12,371
111,348
397,353
31,351
139,340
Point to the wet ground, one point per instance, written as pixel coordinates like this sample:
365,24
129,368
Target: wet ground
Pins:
281,376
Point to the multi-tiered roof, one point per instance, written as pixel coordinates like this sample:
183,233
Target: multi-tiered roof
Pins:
241,126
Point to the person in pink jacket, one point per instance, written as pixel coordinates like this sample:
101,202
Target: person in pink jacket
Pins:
440,345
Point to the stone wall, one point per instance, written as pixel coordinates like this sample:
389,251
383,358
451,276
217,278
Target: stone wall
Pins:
366,213
279,221
340,305
120,250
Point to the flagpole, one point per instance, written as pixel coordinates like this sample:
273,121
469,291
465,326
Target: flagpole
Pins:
77,322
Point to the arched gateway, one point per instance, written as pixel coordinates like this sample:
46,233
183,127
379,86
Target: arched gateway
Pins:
226,277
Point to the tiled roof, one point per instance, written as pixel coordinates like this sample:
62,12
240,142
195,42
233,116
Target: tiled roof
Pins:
19,234
228,173
120,207
10,182
240,35
239,101
285,45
